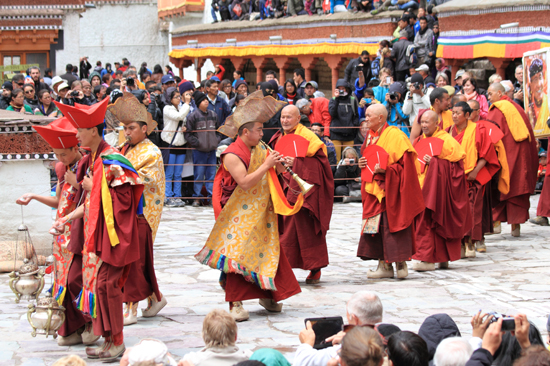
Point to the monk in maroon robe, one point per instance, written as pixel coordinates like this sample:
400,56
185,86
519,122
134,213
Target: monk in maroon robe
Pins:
303,235
391,201
442,225
521,152
543,208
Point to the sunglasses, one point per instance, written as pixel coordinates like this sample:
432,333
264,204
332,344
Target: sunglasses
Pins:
21,84
29,91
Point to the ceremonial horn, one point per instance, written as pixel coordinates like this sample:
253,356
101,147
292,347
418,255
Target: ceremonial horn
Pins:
304,186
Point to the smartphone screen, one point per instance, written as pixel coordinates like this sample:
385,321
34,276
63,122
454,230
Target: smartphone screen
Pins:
388,79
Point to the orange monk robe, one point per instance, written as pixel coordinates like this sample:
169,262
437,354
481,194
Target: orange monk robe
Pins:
521,152
477,145
447,218
303,235
395,195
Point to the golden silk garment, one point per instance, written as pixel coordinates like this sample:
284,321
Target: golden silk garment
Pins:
395,143
445,121
541,127
451,151
147,161
245,237
517,127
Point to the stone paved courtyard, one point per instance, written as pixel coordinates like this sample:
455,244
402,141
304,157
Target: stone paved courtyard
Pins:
513,276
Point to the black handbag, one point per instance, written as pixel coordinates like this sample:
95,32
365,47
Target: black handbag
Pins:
166,152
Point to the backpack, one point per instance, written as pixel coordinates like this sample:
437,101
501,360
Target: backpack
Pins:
411,55
375,67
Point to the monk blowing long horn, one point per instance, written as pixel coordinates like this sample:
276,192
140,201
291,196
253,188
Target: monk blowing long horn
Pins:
304,186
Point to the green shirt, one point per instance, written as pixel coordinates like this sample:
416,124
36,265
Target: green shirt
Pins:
27,109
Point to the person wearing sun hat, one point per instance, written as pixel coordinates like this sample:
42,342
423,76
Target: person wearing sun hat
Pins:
247,197
61,136
112,197
147,161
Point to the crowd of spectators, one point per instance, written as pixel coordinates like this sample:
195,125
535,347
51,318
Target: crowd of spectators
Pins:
404,76
366,340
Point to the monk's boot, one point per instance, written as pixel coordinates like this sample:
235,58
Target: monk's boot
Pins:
154,306
70,340
480,246
238,312
401,269
88,336
111,353
540,220
94,352
423,266
470,249
462,251
271,305
497,229
443,265
384,270
515,230
130,313
314,277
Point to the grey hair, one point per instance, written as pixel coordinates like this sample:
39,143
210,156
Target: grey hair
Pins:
453,351
442,75
520,66
301,103
366,306
508,85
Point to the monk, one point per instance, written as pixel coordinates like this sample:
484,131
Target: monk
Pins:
244,243
391,201
304,235
440,101
113,193
521,152
442,225
480,154
146,159
61,136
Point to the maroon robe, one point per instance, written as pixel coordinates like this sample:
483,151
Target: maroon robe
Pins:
513,207
303,235
235,286
543,208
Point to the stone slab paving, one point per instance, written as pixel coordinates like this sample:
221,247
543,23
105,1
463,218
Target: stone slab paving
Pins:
513,276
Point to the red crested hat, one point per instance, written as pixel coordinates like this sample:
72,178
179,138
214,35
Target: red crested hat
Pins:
60,134
83,116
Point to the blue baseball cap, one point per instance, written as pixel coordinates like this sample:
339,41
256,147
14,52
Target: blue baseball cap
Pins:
167,78
215,78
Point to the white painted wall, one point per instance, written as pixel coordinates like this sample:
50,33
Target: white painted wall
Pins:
70,53
110,32
16,179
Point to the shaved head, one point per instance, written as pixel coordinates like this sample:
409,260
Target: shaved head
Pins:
474,105
429,122
495,92
290,117
376,116
497,87
380,110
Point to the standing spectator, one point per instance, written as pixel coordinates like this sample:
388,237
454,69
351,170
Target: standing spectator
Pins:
415,99
414,24
157,74
300,81
423,42
35,76
219,71
458,80
48,77
343,108
422,13
241,88
319,129
202,137
441,80
469,89
17,81
226,87
85,68
45,106
237,75
30,96
362,63
87,90
68,76
95,79
518,85
216,103
361,135
310,88
290,93
399,54
17,103
396,116
435,30
173,134
98,68
100,91
107,70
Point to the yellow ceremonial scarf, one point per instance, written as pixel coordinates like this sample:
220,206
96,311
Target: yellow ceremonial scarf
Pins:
469,146
451,151
446,118
396,144
315,142
515,122
504,179
541,127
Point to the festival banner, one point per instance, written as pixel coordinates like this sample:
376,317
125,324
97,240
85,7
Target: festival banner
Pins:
536,90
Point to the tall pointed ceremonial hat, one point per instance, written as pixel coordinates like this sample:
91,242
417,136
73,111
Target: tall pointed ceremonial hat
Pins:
254,108
129,109
60,134
84,116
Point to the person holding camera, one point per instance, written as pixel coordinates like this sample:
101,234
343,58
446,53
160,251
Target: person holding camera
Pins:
347,178
415,99
362,63
392,102
75,95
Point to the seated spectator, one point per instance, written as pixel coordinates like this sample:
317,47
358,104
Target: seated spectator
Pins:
396,116
219,332
436,328
495,78
442,68
364,308
362,346
469,89
87,90
295,7
310,88
367,100
45,105
407,349
5,98
318,129
299,78
17,102
238,99
534,356
347,180
415,99
441,80
453,351
241,87
147,351
343,108
269,357
30,96
62,93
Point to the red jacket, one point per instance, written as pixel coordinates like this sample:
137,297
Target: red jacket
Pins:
220,74
320,114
